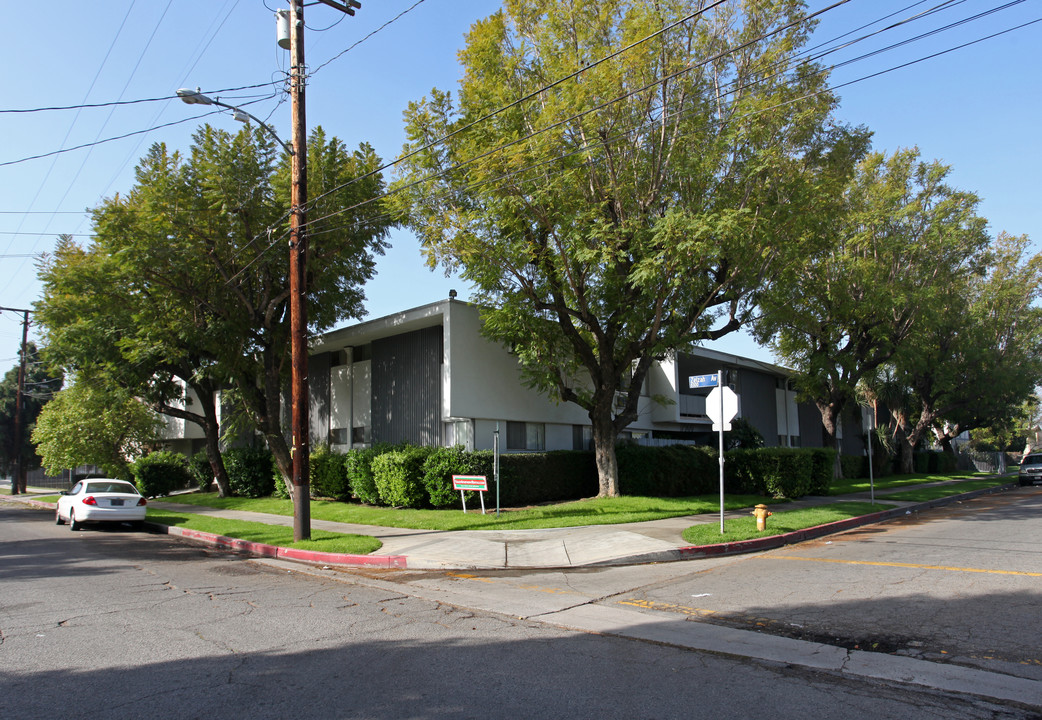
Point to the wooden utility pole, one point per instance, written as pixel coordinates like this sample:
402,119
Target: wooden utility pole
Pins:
298,310
298,256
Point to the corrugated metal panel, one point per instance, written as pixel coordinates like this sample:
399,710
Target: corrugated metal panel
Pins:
318,396
406,387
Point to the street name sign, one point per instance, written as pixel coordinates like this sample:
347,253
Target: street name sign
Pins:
701,381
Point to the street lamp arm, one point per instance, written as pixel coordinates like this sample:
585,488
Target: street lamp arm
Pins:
194,97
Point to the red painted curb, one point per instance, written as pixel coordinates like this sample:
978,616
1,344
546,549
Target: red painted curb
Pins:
313,556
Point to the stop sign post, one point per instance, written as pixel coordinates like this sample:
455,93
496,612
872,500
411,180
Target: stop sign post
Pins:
721,407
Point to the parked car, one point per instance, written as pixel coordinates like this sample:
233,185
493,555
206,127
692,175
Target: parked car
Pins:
100,500
1031,469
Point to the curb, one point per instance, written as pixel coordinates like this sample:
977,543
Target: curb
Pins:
394,562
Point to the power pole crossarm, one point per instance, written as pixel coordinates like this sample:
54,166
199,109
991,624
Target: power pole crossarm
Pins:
346,7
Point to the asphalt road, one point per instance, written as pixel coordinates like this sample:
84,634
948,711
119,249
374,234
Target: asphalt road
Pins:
115,624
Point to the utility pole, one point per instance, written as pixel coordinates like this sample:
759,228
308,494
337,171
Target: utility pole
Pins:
18,483
298,247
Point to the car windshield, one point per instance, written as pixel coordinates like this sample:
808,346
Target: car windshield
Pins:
112,486
1032,460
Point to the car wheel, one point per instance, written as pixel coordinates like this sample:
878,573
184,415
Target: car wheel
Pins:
73,524
58,517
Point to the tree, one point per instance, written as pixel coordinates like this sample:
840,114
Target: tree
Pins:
38,387
183,279
901,239
91,423
979,359
618,179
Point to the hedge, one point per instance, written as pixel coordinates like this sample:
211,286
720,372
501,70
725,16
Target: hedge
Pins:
250,472
670,471
782,472
160,473
398,475
327,474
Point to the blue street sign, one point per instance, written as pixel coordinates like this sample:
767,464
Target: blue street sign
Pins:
701,381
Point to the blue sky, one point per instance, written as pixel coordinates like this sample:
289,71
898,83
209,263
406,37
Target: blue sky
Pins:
976,108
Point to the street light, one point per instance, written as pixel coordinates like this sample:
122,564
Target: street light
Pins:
195,97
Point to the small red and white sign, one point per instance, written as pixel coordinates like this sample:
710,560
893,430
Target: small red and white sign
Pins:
470,482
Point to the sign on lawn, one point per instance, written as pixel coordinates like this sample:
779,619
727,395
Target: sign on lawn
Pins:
470,482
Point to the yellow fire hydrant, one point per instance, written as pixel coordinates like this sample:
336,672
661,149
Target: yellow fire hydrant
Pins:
762,513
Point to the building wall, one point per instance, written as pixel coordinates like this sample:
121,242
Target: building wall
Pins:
758,403
483,380
406,387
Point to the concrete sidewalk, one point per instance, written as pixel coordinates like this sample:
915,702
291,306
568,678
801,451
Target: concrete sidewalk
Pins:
588,546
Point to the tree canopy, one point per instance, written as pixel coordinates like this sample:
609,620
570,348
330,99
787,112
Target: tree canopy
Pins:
186,278
977,361
901,240
619,179
94,423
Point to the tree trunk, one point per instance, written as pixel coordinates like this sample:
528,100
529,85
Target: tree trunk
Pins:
830,414
212,433
604,436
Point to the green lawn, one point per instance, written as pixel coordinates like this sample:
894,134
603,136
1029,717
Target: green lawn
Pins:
277,535
847,486
779,523
939,491
595,511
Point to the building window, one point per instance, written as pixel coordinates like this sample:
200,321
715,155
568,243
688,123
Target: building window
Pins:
360,435
526,436
338,436
582,437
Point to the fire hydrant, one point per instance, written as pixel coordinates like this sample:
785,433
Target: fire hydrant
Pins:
762,513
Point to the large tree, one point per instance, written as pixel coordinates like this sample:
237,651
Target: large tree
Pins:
980,360
617,179
186,276
901,240
37,388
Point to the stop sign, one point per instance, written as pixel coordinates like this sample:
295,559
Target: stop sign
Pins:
721,412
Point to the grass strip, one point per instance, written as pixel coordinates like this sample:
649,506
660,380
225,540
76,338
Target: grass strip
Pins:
779,523
847,486
278,535
939,491
594,511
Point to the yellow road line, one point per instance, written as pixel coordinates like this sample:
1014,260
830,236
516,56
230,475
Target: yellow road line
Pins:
914,566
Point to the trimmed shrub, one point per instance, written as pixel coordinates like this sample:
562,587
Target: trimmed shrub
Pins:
358,468
398,475
780,472
249,472
854,466
822,462
743,472
202,473
439,467
161,472
670,471
921,462
788,472
532,478
328,475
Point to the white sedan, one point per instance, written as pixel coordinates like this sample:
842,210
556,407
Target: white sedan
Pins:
100,500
